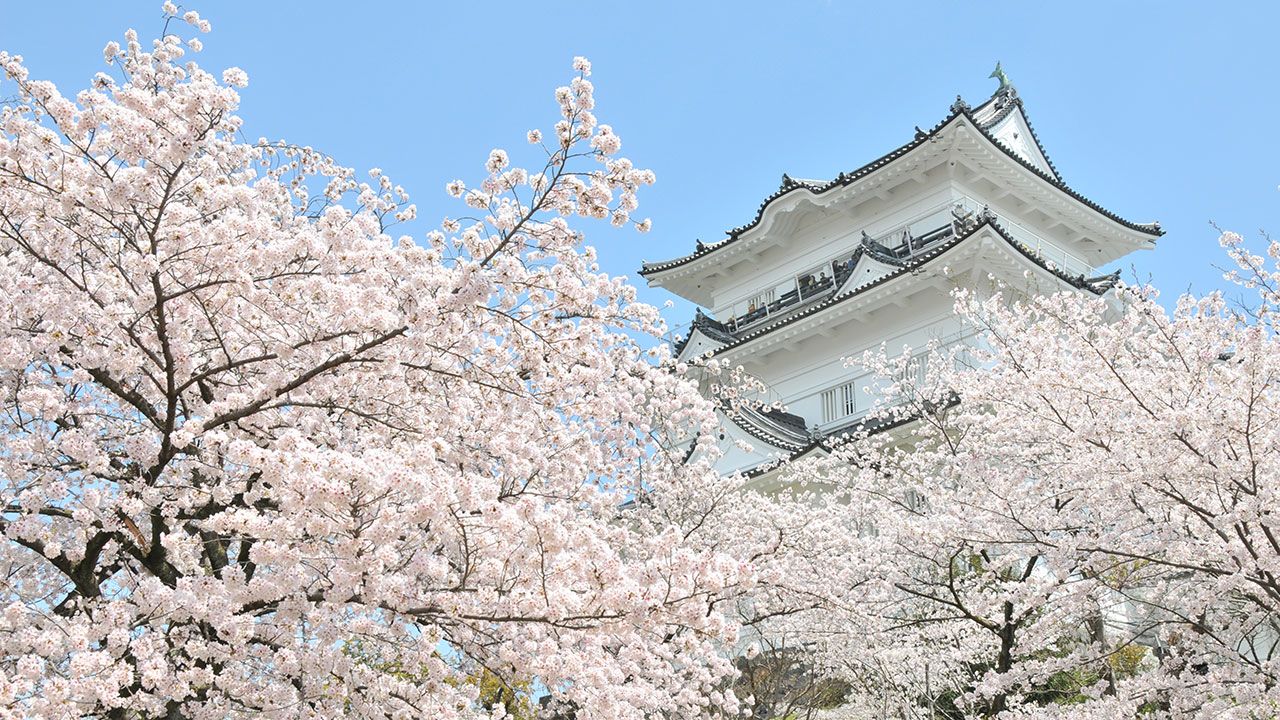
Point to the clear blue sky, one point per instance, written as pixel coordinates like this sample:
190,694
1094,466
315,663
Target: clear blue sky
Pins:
1156,110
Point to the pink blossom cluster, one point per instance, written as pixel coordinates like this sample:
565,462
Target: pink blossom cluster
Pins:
263,458
1078,520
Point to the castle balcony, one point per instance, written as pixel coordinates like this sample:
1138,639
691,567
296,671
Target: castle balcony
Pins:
820,281
1048,251
894,247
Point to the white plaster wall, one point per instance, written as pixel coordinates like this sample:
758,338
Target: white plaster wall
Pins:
836,234
1014,132
800,372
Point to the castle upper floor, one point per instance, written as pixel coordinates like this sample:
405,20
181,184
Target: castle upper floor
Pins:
984,159
830,269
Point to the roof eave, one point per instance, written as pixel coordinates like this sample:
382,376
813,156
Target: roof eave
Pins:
910,269
1152,230
958,110
843,179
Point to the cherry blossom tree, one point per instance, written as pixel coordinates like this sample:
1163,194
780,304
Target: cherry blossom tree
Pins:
1080,521
265,454
261,456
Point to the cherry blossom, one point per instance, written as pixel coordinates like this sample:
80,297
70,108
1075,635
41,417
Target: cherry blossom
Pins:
1078,520
264,457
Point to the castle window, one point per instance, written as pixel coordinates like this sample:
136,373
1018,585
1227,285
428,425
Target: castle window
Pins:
840,402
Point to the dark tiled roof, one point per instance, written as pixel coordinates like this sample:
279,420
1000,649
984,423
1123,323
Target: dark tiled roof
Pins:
880,253
833,438
790,185
710,327
774,464
791,432
1098,285
1103,283
790,421
959,108
1152,229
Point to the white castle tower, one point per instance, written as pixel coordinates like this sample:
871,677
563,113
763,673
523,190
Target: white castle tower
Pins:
831,268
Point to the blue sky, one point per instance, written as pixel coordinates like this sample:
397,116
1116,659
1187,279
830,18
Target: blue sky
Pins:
1155,110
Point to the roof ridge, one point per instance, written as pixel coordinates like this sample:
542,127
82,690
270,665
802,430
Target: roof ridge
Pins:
1096,286
789,185
709,326
958,109
735,415
1150,228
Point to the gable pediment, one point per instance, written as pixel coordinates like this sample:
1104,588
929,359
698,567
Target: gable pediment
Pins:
1015,133
867,269
697,344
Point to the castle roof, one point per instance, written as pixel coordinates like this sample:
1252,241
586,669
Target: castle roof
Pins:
727,338
826,443
985,118
713,329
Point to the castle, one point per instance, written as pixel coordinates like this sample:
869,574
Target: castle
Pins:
828,269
